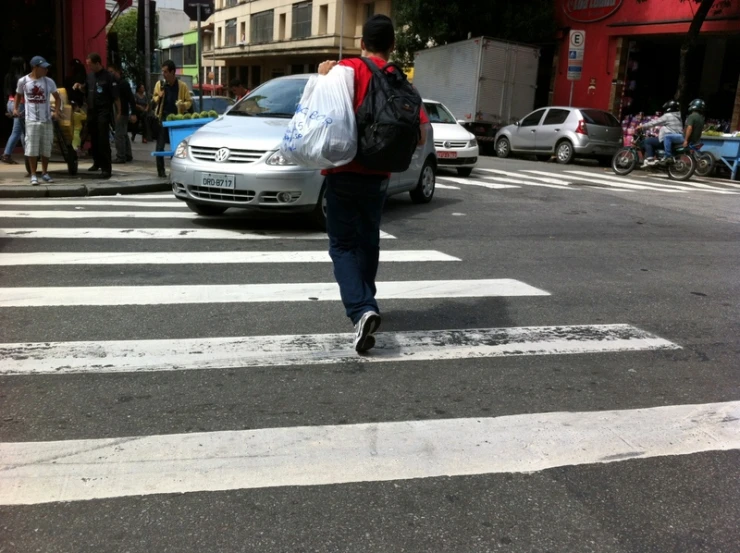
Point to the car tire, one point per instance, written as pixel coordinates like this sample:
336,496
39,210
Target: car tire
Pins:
318,215
206,209
465,171
543,157
564,152
503,147
424,191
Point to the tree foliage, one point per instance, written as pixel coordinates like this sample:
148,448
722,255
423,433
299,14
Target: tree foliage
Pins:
132,61
420,23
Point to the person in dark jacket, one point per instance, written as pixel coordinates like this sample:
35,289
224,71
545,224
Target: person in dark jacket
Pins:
128,111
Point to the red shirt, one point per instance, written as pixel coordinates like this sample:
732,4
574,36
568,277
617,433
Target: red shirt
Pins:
362,83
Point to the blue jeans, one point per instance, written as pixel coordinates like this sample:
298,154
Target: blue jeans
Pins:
18,132
651,143
669,140
354,205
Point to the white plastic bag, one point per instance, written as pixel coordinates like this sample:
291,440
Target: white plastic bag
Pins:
323,131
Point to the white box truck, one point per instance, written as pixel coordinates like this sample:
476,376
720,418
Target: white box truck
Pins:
486,83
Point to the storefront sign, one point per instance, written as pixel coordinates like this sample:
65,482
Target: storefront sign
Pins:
576,46
589,11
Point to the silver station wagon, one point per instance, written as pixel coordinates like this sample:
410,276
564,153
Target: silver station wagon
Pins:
235,160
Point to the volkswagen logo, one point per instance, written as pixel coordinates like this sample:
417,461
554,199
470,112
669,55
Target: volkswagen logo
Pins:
222,155
446,144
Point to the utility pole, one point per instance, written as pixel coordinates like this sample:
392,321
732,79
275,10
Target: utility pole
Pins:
199,53
147,46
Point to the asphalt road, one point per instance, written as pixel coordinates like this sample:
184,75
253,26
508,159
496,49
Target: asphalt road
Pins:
661,260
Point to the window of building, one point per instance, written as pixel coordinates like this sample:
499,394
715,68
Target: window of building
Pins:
262,26
176,55
230,33
302,20
324,19
243,32
282,26
220,41
190,55
369,10
297,69
230,3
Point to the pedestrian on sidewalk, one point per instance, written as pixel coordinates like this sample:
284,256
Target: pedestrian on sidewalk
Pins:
127,112
142,114
171,97
102,97
238,89
10,86
36,90
355,195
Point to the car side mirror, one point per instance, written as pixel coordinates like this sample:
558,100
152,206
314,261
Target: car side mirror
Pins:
518,123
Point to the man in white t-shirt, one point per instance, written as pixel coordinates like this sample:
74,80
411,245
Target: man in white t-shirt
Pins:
37,89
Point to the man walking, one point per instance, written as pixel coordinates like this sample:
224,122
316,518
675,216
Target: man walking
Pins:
128,110
102,97
355,196
37,89
171,96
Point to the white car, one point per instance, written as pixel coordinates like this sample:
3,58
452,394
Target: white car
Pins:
456,147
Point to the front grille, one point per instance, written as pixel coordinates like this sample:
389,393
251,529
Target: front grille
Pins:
451,144
207,153
223,194
458,161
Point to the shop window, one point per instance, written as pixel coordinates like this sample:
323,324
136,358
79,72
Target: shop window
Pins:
190,55
262,27
324,19
556,116
302,20
230,33
533,119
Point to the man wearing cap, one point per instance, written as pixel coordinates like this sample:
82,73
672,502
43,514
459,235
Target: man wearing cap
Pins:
37,89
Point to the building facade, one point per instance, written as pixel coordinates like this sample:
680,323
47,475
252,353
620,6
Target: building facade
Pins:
261,39
630,59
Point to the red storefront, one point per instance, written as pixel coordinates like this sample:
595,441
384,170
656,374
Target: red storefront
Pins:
631,56
59,30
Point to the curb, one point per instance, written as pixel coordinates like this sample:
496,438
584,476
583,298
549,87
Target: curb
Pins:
93,189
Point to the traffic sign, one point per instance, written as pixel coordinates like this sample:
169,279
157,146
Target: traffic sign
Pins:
576,47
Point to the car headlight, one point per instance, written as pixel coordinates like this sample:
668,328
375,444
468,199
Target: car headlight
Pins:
278,159
473,143
182,150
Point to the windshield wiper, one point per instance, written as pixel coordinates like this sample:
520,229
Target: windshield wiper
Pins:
275,114
240,113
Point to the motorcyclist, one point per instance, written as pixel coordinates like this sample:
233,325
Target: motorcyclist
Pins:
671,123
692,133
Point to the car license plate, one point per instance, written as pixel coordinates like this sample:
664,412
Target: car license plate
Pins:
447,155
217,180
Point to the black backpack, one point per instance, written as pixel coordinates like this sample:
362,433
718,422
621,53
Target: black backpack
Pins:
388,120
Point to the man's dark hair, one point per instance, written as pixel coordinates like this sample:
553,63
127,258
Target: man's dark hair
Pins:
114,67
235,83
378,34
94,57
170,65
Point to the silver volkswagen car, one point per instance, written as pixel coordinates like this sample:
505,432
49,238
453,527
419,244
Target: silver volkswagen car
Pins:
566,132
234,161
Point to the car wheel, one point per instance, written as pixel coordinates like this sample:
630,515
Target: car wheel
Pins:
503,147
318,215
424,191
465,171
543,157
564,152
205,209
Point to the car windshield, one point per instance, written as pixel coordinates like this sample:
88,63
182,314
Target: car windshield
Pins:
438,114
275,98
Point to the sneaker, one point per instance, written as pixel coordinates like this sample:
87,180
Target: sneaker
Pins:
650,161
34,180
47,177
364,330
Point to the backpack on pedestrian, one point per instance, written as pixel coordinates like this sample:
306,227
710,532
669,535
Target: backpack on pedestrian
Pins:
388,120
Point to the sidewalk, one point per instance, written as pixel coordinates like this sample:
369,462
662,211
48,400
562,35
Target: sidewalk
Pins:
135,177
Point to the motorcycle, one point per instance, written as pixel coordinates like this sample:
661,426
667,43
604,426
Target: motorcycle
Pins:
681,167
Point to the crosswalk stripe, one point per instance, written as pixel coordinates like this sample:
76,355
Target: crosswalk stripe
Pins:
182,258
548,180
615,185
264,351
631,180
528,182
86,469
471,182
694,184
253,293
439,185
169,203
165,234
82,214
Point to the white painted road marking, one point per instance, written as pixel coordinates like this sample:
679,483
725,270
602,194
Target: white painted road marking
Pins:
617,185
78,470
549,180
183,258
445,186
265,351
168,203
165,233
84,214
253,293
471,182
